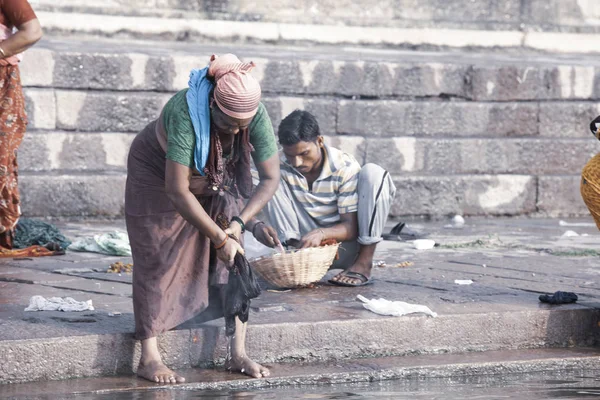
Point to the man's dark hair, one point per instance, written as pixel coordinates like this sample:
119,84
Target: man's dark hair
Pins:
299,126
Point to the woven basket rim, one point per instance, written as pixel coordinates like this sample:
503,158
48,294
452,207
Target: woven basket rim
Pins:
290,252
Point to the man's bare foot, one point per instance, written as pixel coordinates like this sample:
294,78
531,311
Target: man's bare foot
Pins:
248,367
156,371
357,275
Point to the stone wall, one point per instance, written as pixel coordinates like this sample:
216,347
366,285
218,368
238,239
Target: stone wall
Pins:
474,136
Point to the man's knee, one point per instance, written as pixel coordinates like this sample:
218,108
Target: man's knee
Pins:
371,175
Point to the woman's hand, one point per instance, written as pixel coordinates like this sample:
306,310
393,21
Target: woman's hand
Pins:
228,252
234,229
266,235
312,239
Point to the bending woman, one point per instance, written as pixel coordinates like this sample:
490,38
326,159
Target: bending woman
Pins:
188,173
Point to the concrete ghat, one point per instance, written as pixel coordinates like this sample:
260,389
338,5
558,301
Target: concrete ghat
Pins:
508,260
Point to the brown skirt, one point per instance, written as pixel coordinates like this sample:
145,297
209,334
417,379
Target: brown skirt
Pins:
175,266
590,187
13,122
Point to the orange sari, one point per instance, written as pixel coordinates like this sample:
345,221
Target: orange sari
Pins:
13,122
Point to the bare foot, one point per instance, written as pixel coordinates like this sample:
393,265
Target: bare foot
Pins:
156,371
363,269
248,367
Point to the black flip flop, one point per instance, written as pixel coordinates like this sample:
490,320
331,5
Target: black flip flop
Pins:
355,275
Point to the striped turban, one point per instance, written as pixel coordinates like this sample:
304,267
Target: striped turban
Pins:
237,93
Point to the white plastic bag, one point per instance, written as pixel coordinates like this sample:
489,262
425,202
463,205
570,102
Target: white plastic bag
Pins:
394,308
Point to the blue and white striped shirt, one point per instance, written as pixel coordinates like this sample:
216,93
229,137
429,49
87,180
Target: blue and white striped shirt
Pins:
333,193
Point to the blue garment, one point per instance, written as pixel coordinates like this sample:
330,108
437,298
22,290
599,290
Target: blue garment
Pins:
199,109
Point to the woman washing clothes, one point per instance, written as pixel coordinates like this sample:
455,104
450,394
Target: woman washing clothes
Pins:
590,178
13,120
188,172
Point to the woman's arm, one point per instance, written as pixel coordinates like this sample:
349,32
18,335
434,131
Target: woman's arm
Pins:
29,33
177,186
268,174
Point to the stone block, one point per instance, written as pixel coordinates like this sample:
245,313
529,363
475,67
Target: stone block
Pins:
40,105
353,145
325,111
560,196
160,74
365,79
488,11
354,10
31,73
414,156
505,83
93,71
567,119
282,77
107,111
401,155
320,77
74,151
432,79
394,118
179,69
273,106
465,195
506,156
555,12
73,195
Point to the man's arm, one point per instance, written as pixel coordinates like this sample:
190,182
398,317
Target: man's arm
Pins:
346,229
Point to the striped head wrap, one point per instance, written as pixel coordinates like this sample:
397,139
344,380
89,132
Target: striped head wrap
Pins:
237,93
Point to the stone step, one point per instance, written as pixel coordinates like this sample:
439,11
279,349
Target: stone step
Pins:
414,371
407,156
556,15
110,354
330,71
113,111
200,30
101,194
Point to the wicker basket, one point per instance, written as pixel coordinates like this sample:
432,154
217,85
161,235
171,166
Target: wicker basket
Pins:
296,268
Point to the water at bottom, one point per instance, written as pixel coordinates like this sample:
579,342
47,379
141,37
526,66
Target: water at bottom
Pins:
567,385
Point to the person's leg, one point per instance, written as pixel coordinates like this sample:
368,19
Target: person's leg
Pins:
287,216
376,192
152,367
240,362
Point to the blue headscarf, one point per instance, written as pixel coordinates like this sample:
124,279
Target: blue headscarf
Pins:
199,108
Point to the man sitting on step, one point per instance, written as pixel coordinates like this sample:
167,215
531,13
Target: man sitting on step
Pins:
325,194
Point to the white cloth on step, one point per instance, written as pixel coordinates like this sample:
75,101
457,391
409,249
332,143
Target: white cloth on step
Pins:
39,303
113,244
394,308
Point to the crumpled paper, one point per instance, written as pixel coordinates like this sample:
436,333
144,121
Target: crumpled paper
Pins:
39,303
394,308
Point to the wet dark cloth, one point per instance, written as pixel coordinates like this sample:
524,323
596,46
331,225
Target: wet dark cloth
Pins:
31,232
241,288
559,298
175,265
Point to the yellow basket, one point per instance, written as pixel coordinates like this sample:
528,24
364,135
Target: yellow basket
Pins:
296,268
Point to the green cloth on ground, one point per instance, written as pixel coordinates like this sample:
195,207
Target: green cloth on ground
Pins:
31,232
181,139
113,244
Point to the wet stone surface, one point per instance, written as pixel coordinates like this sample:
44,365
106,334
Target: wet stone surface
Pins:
510,262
